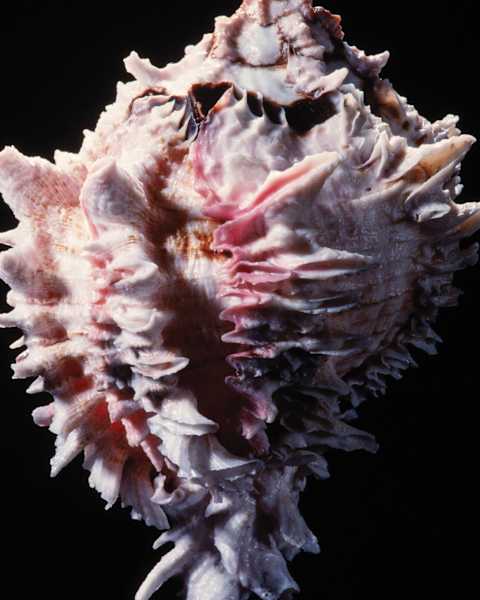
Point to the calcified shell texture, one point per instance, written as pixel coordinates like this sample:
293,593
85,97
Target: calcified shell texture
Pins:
242,251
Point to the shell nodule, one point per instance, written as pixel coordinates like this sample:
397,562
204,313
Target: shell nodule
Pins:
251,238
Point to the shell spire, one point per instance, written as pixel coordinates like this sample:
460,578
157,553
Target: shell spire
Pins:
244,250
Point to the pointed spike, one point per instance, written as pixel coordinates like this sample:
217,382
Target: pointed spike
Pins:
467,228
67,449
9,238
172,563
20,343
6,321
37,386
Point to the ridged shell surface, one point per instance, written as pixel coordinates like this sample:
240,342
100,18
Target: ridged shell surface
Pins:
240,254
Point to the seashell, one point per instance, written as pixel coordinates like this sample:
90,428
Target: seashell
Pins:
242,252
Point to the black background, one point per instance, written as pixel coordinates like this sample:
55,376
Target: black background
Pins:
392,525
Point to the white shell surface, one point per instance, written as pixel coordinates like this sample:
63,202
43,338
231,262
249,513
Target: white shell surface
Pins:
242,251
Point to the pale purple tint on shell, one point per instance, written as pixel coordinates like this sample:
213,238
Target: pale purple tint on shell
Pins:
245,249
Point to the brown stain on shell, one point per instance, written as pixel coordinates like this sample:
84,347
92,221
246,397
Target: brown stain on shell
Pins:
197,242
387,104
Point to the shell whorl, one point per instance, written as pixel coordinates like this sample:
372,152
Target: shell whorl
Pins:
244,250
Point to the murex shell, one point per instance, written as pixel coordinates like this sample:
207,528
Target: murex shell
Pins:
241,252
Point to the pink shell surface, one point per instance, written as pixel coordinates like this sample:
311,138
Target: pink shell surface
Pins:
242,252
